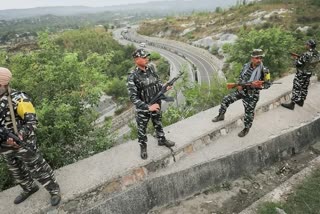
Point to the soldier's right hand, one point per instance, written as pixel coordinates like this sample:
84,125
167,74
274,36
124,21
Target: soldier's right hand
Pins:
154,107
239,87
12,143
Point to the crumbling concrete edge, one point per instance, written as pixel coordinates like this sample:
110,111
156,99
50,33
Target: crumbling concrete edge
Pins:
130,178
285,189
135,175
163,190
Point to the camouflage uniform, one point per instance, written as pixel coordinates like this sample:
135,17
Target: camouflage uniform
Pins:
25,164
142,87
305,65
249,96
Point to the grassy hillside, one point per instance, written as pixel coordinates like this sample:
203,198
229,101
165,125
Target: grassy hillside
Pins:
287,14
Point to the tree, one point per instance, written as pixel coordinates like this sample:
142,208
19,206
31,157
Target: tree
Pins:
64,90
86,41
117,88
65,81
275,42
218,10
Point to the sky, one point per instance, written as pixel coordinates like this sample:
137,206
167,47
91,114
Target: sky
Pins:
18,4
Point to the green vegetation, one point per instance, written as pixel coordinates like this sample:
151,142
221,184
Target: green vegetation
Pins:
64,88
69,71
49,23
239,18
304,199
65,77
275,43
65,82
198,98
276,35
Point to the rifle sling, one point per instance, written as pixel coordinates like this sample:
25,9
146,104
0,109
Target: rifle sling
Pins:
12,115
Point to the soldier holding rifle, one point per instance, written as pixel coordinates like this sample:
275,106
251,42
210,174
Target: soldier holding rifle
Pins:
143,85
253,77
305,65
18,147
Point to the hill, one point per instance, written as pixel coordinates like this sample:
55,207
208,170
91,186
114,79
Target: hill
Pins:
291,15
163,7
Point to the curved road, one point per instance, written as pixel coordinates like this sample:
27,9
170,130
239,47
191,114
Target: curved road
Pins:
206,64
177,63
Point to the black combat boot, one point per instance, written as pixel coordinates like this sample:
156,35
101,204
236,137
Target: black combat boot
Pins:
55,199
143,151
244,132
288,105
218,118
24,195
300,102
165,142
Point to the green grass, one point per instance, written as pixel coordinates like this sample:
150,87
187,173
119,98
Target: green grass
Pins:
304,200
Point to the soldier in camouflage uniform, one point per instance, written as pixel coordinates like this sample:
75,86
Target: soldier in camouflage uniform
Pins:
305,65
251,72
143,84
24,163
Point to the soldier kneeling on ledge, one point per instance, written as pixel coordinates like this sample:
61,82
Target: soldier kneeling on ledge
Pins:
252,72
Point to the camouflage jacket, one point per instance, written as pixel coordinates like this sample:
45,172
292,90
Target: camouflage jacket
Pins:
246,75
27,125
143,86
308,61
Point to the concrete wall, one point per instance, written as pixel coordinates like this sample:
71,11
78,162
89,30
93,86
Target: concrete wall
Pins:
165,189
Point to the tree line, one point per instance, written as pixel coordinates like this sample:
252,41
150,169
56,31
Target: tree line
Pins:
65,77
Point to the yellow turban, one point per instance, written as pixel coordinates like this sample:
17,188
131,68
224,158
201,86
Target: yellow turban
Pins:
5,76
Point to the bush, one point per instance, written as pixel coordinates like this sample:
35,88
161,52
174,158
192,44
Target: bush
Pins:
202,97
275,42
6,179
214,50
163,69
117,88
65,78
154,56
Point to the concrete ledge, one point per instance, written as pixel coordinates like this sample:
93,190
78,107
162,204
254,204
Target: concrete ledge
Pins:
118,169
198,131
165,189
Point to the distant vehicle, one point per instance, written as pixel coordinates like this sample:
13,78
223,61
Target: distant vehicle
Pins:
142,45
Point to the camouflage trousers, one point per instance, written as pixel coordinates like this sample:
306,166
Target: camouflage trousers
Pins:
142,119
301,82
249,100
25,165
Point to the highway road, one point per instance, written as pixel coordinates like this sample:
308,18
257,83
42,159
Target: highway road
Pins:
205,64
177,63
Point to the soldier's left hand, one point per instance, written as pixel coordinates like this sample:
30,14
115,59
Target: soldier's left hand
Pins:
169,87
257,84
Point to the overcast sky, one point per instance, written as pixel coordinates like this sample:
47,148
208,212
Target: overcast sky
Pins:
18,4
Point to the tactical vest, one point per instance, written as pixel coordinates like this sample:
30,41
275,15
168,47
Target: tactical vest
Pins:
147,83
313,58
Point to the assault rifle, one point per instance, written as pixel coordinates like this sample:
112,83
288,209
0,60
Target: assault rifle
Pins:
161,94
295,55
5,134
254,84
